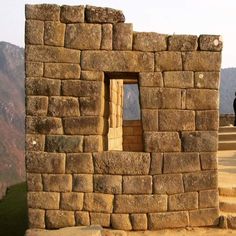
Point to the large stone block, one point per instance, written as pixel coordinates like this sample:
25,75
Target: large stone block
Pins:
91,106
92,75
210,42
82,218
200,181
98,202
71,201
209,198
140,203
200,141
168,184
139,221
182,43
162,142
36,218
72,14
209,160
168,61
36,105
83,183
121,221
117,61
156,163
102,219
207,120
209,80
34,142
33,69
83,36
93,143
150,79
122,163
34,31
149,119
106,43
34,182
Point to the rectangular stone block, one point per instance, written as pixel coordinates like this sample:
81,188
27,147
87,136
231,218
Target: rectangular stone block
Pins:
83,183
183,201
34,182
118,61
92,75
209,198
182,43
106,43
168,184
102,219
156,163
93,143
33,69
181,162
71,201
168,61
82,218
149,119
202,61
121,221
72,14
210,42
43,200
200,181
98,202
207,120
162,142
36,218
57,183
34,31
42,162
139,221
149,41
150,79
210,80
121,163
92,106
36,105
209,160
140,203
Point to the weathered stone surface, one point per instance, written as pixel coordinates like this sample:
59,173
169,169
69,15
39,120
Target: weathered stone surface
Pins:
207,120
121,221
59,219
204,217
199,141
162,142
182,43
156,163
116,232
167,220
92,75
79,163
34,31
42,162
168,184
36,218
83,183
106,43
71,201
34,182
122,36
168,61
149,120
140,203
181,162
98,202
103,15
36,105
72,14
91,106
52,54
231,222
202,61
102,219
137,184
179,120
210,42
200,181
43,200
83,36
108,184
93,143
57,183
118,61
179,79
209,160
150,79
82,218
33,69
149,41
122,163
209,198
183,201
139,221
44,12
209,80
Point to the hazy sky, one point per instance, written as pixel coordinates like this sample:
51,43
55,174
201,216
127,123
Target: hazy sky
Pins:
162,16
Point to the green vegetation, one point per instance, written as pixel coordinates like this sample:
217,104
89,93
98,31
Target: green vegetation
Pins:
13,211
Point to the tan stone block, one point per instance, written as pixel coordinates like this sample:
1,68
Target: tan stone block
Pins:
209,80
137,184
121,163
82,218
33,69
149,119
42,12
204,217
207,120
34,142
91,106
209,160
71,201
72,14
42,162
98,202
83,36
181,162
210,42
92,75
116,232
102,219
162,142
108,184
168,220
183,201
202,61
168,184
79,163
59,219
156,163
209,198
182,43
52,54
200,181
42,86
36,218
57,183
34,182
168,61
36,105
43,200
149,41
200,141
150,79
34,30
93,143
83,183
121,221
139,221
118,61
106,43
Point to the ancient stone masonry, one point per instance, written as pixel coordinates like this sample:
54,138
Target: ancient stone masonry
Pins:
75,174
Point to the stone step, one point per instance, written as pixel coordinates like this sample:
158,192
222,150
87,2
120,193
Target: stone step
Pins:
227,129
227,145
228,204
227,136
227,192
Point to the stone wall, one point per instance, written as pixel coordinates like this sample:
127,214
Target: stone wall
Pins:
226,119
72,178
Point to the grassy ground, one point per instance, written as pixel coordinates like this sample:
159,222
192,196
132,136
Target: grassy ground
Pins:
13,211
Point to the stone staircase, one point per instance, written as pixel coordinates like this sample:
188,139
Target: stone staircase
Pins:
227,138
